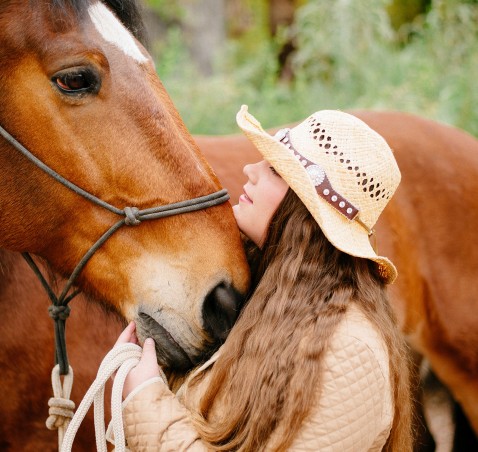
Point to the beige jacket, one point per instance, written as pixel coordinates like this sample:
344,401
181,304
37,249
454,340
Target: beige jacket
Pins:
354,412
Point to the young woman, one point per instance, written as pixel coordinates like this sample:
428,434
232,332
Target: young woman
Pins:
315,362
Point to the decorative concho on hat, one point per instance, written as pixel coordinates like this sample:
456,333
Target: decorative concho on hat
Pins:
343,171
316,173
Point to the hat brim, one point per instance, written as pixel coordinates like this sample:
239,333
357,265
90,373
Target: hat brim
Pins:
346,235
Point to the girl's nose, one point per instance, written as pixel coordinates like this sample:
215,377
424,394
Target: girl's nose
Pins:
250,172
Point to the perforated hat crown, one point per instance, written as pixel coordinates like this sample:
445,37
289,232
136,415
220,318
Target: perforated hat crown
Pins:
342,170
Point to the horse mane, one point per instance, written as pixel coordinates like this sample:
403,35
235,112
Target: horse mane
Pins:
127,11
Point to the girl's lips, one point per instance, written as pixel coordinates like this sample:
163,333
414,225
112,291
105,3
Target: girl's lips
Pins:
245,198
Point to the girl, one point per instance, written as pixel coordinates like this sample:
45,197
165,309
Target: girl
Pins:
315,361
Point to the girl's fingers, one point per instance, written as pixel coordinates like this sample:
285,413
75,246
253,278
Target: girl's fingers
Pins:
134,338
149,363
149,352
146,369
128,335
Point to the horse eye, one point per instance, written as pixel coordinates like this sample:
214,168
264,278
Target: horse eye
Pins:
72,82
76,82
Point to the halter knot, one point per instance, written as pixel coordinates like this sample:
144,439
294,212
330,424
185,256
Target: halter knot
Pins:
61,407
59,312
60,413
132,216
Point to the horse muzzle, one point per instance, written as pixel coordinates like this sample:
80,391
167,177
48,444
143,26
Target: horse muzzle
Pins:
220,310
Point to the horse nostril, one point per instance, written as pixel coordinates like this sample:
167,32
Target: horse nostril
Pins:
221,309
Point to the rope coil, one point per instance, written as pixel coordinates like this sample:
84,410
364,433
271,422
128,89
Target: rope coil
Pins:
121,359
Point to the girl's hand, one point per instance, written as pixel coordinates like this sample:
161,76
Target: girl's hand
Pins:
128,335
148,365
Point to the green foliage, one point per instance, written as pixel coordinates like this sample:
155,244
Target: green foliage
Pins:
402,12
172,57
168,11
348,56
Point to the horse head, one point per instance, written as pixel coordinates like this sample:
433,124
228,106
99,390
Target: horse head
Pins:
81,93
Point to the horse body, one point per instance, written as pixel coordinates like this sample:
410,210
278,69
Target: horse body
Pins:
429,231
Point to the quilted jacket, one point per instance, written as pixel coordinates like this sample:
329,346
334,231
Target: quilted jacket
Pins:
354,411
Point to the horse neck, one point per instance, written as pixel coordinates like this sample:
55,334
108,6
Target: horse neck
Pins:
8,261
16,278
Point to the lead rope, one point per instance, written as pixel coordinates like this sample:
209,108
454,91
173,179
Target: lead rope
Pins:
121,359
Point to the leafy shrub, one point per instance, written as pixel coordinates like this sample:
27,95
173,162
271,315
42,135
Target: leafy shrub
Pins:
348,56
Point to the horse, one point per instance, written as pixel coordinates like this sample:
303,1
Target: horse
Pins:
429,230
91,148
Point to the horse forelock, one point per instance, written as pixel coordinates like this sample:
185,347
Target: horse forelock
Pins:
129,13
62,12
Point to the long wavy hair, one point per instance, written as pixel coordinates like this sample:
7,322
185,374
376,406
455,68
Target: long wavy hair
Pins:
267,375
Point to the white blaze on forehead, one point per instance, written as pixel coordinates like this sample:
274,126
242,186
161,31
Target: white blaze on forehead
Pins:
114,31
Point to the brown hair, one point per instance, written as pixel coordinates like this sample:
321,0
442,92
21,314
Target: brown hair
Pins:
267,375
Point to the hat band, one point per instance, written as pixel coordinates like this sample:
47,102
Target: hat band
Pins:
321,181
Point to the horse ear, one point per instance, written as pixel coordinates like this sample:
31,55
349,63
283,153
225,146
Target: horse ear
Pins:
129,12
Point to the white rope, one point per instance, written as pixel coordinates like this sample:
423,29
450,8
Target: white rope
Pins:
123,357
61,407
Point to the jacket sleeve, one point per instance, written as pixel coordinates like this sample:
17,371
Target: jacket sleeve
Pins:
353,411
155,420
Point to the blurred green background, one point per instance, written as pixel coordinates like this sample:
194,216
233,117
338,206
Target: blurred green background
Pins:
289,58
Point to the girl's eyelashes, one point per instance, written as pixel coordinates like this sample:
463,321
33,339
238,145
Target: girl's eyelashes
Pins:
273,170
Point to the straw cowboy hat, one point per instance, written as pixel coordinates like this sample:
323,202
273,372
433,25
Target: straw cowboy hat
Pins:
342,170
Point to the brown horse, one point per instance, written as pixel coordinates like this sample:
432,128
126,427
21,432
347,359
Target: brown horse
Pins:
429,231
81,93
